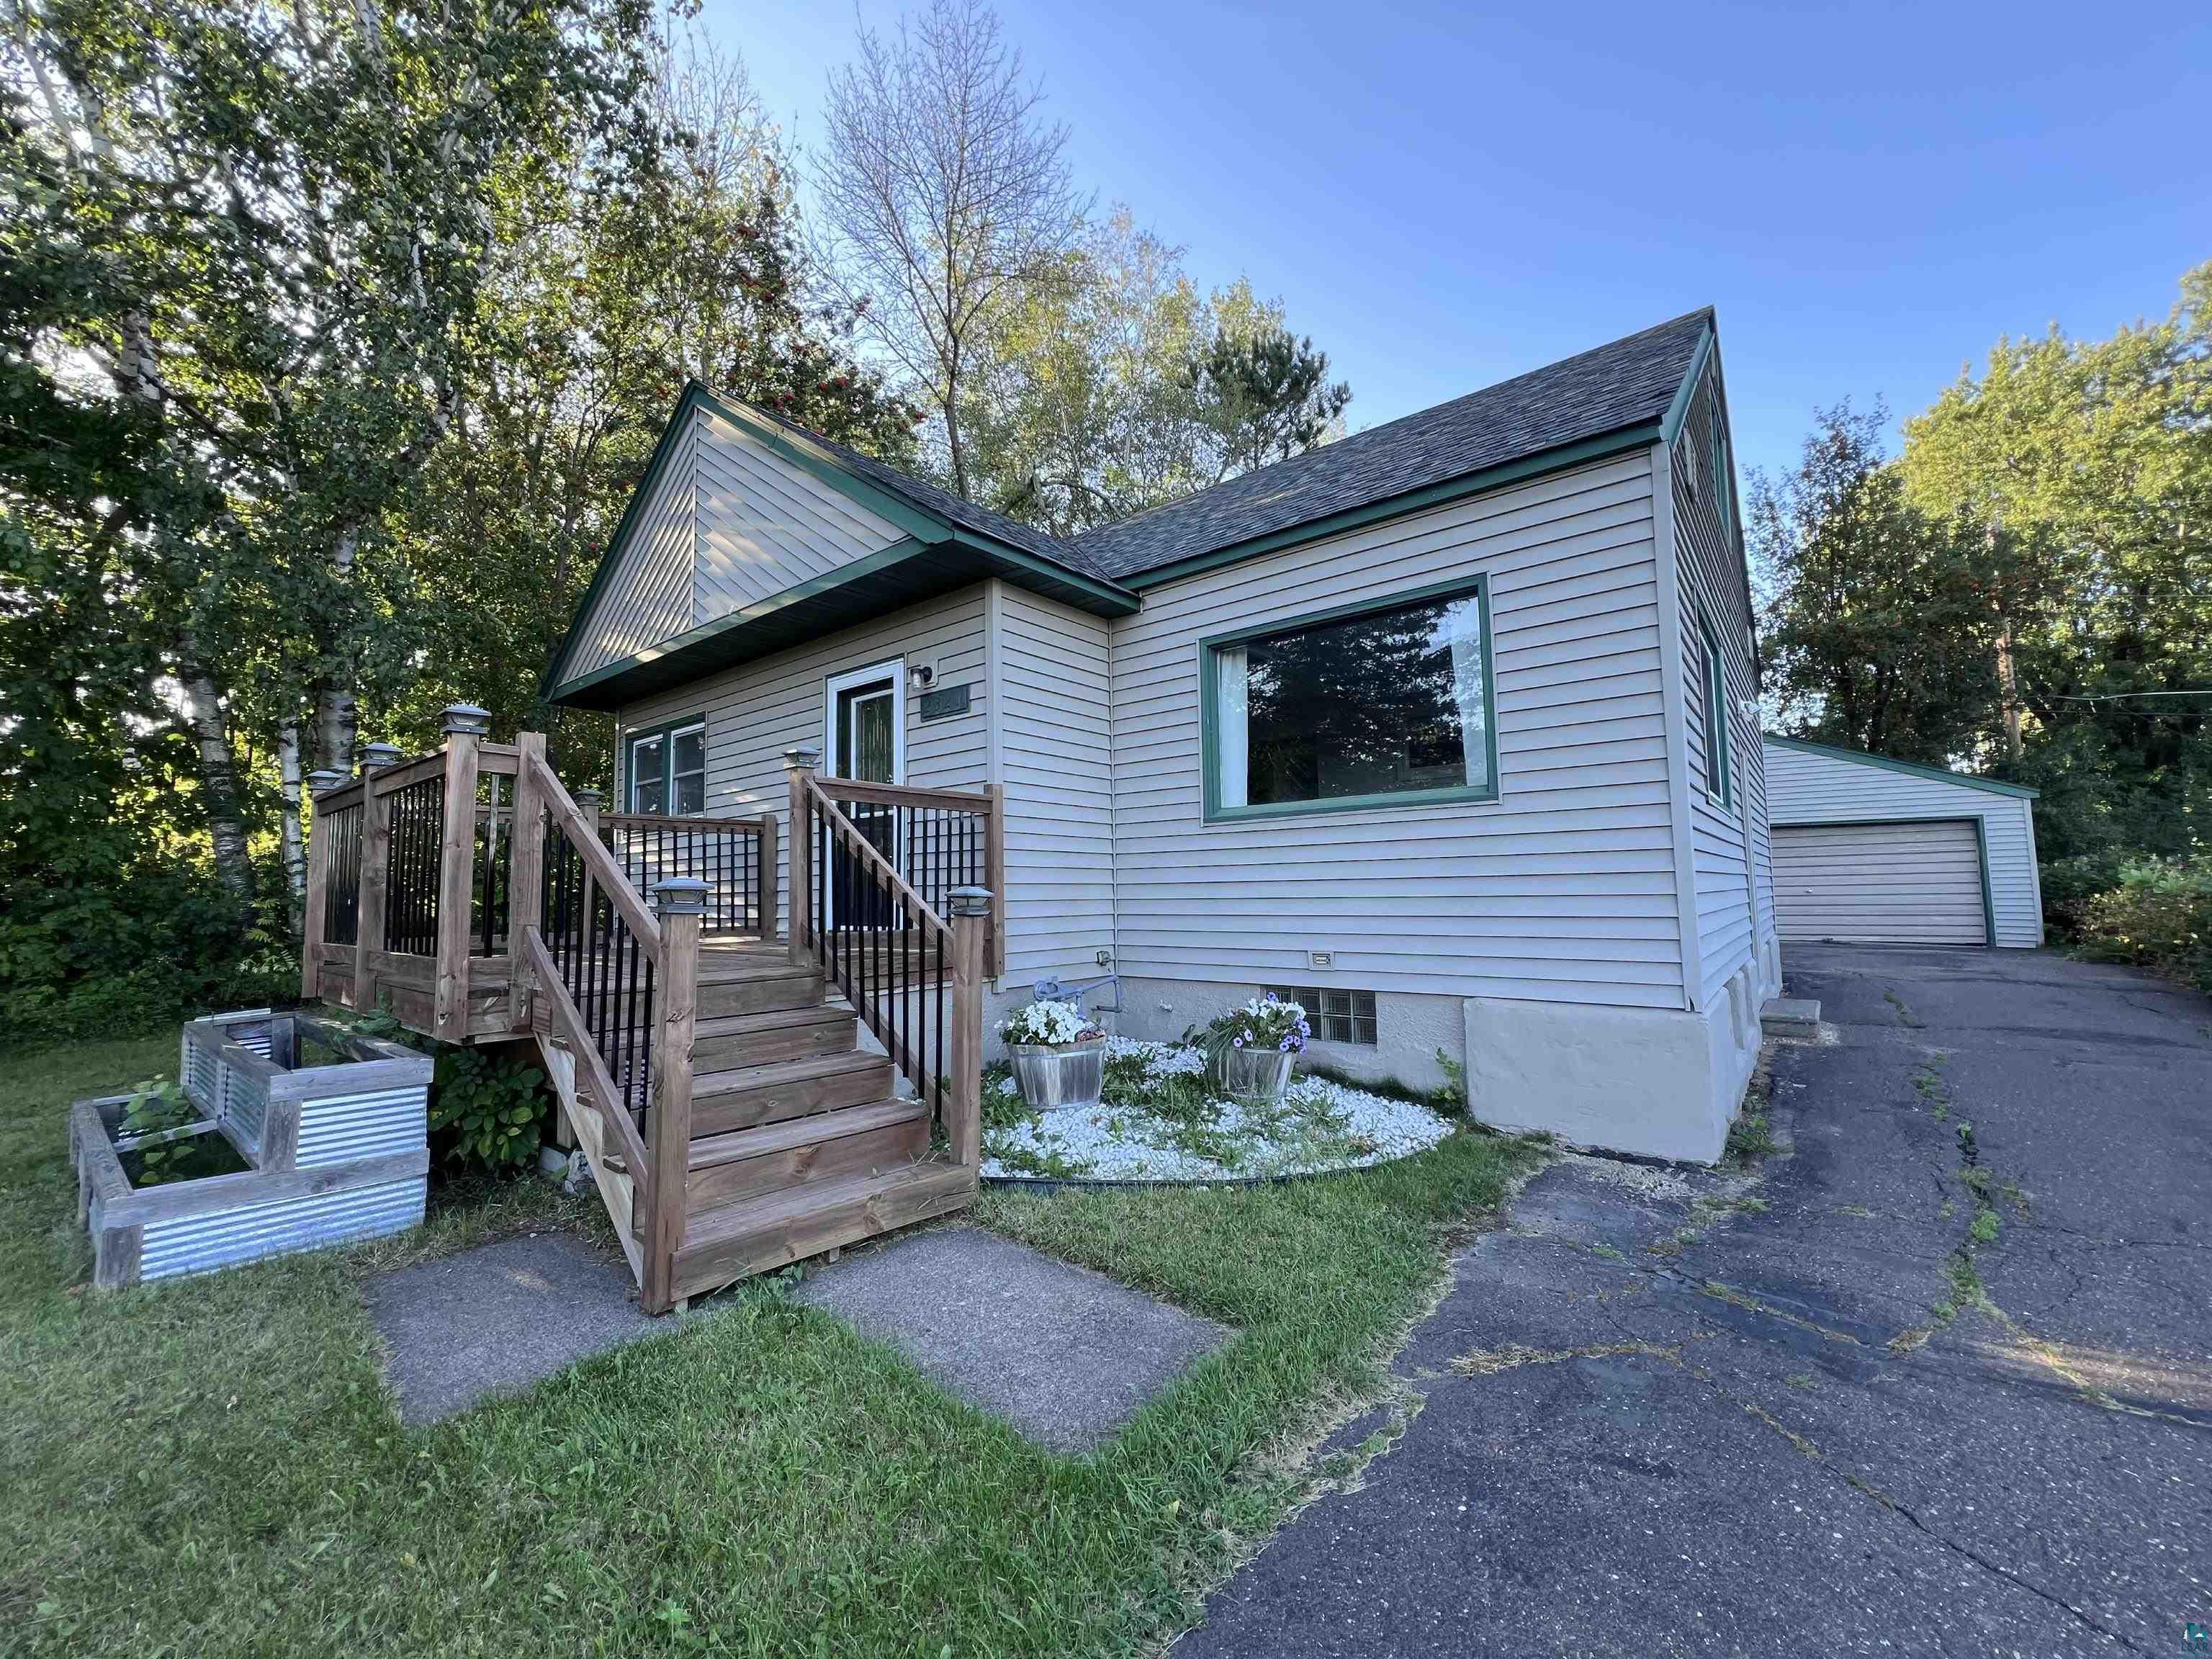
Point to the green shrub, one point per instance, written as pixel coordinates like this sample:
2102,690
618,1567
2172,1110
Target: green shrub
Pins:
2158,916
2068,885
487,1112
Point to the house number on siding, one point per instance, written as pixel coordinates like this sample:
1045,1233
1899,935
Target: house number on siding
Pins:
945,701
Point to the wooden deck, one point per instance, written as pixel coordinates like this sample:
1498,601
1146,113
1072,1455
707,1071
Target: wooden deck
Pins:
742,1104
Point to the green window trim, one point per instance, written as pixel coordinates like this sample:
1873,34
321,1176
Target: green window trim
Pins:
1213,811
1720,736
666,734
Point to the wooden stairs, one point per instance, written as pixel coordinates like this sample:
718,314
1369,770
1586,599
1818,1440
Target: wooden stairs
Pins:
745,1100
801,1140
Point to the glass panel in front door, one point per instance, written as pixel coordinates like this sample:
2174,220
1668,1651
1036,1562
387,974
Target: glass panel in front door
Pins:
865,753
864,733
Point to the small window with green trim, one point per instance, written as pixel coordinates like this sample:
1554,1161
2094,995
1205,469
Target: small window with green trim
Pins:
1716,713
1379,704
668,771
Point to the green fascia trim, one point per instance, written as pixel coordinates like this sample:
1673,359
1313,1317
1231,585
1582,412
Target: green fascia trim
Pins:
897,553
1122,601
2018,791
1397,507
1679,411
1981,843
923,526
664,730
1211,810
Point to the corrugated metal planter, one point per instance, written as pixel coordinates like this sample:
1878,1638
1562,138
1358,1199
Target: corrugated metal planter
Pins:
339,1151
1070,1074
1254,1077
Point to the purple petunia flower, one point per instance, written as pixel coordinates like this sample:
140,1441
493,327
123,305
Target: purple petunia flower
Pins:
1236,1043
1284,1045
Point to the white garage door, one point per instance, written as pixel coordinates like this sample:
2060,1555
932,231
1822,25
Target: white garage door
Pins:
1879,883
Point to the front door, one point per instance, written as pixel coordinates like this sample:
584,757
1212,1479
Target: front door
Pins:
866,743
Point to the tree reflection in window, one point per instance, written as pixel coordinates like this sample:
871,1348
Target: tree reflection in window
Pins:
1385,702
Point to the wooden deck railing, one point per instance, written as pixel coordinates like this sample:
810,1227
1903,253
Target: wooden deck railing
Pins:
736,857
913,974
469,890
422,854
938,839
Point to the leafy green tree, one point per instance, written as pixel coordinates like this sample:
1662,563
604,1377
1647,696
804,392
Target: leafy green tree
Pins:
1078,412
1117,387
698,270
1264,395
265,233
2083,470
1874,632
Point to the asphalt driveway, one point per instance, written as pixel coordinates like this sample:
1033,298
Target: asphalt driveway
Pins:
1935,1378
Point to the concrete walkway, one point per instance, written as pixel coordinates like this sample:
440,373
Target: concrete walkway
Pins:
1067,1356
1817,1414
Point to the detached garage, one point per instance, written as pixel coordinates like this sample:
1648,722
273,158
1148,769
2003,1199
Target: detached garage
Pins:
1869,850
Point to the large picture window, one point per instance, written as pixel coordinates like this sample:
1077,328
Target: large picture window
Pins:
1375,705
668,771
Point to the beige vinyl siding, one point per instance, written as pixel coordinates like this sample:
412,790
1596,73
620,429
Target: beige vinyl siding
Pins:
1881,883
756,711
729,523
765,525
648,597
1811,787
1732,870
1057,768
1561,890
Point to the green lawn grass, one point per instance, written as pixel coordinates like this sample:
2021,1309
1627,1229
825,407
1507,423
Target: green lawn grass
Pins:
214,1467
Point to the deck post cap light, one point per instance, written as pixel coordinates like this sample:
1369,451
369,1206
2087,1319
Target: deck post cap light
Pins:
681,896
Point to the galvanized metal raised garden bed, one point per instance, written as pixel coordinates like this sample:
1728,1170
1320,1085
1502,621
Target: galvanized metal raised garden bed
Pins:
339,1150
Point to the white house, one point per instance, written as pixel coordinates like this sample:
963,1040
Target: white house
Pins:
1877,851
1448,727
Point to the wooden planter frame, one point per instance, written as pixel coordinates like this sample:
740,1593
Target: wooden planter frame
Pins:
339,1151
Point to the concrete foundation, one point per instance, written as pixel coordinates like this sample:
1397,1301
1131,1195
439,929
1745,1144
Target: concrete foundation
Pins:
1653,1082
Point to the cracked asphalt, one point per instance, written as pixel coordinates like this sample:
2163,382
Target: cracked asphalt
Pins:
1806,1408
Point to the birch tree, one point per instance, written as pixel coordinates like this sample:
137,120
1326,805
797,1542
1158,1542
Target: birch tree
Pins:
276,223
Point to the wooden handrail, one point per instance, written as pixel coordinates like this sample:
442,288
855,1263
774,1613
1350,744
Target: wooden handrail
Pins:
599,862
958,982
390,780
871,857
654,820
904,794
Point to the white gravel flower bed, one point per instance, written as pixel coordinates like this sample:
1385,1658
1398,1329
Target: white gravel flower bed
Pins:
1161,1120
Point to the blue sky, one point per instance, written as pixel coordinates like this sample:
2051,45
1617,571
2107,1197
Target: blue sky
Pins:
1442,199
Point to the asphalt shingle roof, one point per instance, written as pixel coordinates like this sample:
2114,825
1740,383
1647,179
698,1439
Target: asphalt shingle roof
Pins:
1624,384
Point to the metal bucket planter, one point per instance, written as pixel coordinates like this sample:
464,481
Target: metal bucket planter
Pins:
339,1151
1069,1074
1254,1077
